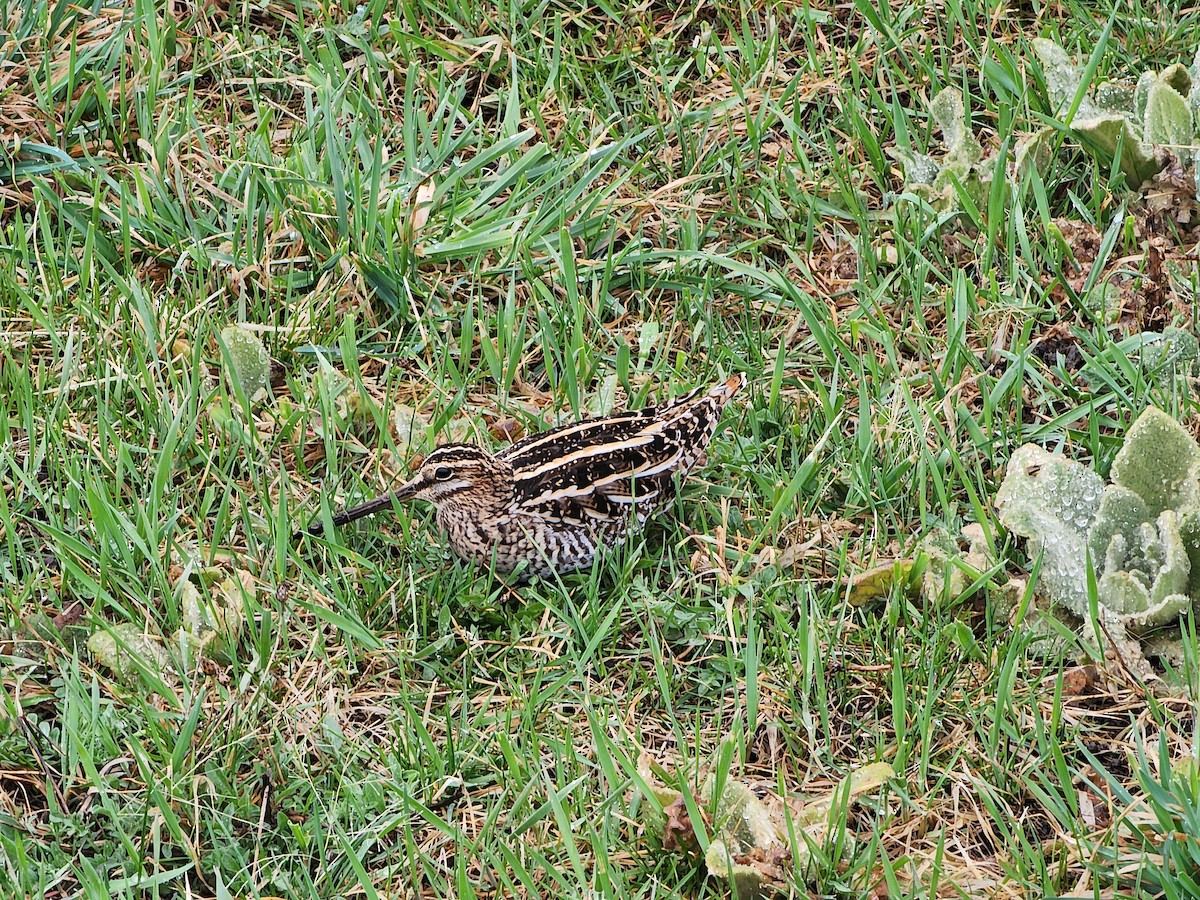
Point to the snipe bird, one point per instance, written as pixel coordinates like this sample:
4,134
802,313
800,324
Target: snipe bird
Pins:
553,499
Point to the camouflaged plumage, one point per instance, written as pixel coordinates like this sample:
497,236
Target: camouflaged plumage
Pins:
553,499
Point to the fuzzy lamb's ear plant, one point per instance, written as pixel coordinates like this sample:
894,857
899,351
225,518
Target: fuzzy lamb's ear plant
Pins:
962,167
1053,501
1161,113
1165,359
248,363
1141,531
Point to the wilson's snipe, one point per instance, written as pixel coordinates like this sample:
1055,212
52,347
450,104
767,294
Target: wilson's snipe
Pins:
552,499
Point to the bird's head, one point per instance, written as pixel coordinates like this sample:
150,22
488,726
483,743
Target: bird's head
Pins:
459,474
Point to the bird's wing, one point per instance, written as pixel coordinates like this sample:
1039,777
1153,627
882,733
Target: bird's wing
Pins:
538,449
609,464
613,470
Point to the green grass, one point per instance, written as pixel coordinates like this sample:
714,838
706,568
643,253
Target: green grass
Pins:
626,202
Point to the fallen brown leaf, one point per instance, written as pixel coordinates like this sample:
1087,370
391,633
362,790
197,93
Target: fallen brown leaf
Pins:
422,204
1079,681
678,831
771,862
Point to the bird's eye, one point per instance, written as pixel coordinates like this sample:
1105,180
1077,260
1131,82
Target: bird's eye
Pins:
442,473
